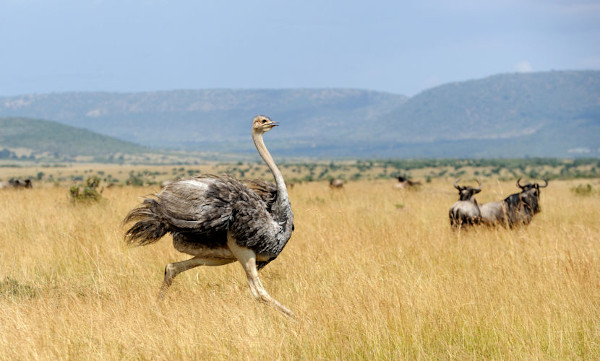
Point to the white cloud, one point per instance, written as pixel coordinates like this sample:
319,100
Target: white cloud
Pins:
523,67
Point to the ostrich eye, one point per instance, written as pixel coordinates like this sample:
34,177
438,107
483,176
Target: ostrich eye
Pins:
264,121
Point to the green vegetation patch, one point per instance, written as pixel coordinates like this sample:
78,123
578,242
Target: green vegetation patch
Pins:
583,190
43,137
11,288
87,192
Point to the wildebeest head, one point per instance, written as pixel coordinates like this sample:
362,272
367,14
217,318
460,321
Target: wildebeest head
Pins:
466,193
528,186
530,195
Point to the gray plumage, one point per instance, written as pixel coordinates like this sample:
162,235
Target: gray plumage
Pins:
202,209
219,220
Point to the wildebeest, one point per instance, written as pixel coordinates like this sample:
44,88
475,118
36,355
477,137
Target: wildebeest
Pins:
466,211
518,208
336,183
404,183
16,183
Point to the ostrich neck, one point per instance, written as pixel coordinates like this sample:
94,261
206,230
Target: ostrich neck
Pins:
282,209
266,156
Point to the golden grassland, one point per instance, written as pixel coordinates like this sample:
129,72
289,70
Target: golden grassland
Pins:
371,272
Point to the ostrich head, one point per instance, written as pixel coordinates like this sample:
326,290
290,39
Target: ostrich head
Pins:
262,124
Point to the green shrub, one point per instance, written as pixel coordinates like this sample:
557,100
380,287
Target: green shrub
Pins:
11,288
87,192
583,190
135,181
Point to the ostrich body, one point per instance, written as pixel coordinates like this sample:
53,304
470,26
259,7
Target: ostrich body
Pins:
220,220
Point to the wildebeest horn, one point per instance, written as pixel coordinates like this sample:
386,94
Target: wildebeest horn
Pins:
456,185
545,185
478,188
519,183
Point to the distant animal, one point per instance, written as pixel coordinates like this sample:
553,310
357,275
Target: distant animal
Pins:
16,183
219,220
518,208
404,183
465,212
336,183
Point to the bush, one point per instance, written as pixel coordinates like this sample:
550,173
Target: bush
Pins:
134,181
12,288
87,192
583,190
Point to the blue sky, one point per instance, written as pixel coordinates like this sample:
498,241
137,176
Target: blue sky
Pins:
393,46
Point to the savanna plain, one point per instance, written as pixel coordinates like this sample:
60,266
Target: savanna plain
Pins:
372,273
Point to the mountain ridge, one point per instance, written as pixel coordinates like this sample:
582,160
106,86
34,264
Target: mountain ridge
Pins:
550,114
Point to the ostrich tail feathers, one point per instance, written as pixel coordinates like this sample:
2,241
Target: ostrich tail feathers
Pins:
148,227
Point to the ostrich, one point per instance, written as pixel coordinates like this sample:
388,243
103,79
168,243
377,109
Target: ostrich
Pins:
220,220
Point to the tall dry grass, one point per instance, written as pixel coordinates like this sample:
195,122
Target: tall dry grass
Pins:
371,272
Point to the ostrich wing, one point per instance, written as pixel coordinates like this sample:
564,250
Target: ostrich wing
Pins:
205,203
267,191
210,204
203,209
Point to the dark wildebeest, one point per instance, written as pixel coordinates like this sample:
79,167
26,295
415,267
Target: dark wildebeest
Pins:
518,208
404,183
17,184
466,211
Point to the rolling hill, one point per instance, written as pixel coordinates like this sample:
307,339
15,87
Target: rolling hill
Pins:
549,114
536,114
34,137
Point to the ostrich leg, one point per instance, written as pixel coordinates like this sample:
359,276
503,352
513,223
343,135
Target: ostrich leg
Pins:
247,258
173,269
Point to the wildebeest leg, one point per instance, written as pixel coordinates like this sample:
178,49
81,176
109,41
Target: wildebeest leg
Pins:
247,258
173,269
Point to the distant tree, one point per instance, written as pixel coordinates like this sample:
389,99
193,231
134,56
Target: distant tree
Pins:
5,153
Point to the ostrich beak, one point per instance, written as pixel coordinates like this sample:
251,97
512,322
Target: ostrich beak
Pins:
270,125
